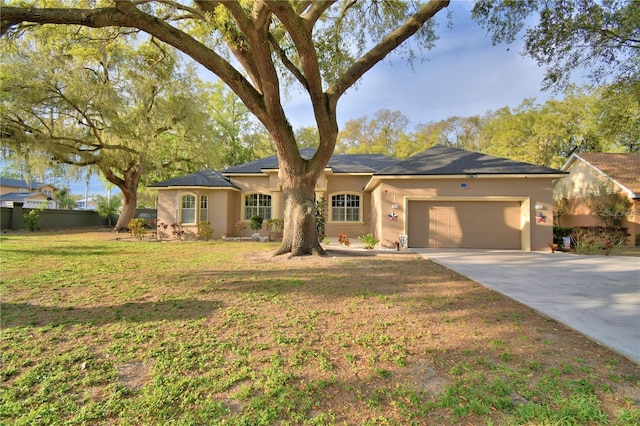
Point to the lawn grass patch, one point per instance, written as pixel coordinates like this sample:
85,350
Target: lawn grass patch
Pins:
100,331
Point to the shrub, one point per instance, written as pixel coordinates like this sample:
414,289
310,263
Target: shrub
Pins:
255,222
32,220
136,227
108,206
321,218
608,206
559,232
344,240
205,231
369,241
598,239
161,230
177,231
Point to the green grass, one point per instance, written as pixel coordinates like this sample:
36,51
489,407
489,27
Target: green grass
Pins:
98,331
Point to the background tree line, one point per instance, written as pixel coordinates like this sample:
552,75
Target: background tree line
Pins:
584,119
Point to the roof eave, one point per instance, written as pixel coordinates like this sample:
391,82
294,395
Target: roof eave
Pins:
375,180
193,187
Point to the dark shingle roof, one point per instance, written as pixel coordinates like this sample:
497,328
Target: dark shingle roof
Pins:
444,160
360,163
207,178
623,167
19,183
339,163
20,196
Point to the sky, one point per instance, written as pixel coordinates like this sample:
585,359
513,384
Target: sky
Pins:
463,75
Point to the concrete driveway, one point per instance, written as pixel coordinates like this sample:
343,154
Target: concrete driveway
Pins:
599,296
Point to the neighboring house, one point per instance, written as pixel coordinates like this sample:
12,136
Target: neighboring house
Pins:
620,170
32,194
441,197
86,204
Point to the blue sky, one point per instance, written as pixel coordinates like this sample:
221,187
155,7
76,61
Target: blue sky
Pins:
463,75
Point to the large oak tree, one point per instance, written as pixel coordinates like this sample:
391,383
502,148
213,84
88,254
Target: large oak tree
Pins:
258,48
124,108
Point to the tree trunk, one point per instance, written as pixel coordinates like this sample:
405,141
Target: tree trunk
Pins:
128,211
128,185
300,236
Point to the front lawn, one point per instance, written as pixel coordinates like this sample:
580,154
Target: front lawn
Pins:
100,331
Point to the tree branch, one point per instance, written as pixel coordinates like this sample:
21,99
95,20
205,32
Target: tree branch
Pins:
125,14
386,45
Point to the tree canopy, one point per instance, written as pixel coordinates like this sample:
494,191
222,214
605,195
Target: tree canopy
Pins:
601,38
123,106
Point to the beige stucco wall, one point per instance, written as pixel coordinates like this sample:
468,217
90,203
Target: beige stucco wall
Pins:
530,191
218,210
352,184
576,187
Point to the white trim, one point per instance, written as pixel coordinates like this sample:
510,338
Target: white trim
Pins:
377,179
181,195
243,209
329,198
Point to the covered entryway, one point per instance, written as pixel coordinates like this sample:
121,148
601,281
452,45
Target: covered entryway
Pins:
465,224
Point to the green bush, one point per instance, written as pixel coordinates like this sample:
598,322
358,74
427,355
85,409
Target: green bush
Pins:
136,227
598,239
205,231
591,239
32,220
255,222
275,227
369,241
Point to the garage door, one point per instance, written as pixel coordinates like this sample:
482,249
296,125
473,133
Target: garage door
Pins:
465,224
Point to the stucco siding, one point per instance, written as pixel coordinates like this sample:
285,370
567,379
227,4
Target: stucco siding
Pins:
529,192
577,186
351,184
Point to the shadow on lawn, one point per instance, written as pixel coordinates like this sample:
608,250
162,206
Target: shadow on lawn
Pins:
26,314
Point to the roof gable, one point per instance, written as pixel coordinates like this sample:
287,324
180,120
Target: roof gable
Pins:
205,178
443,160
624,168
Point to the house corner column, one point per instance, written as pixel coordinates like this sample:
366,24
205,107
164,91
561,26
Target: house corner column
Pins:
276,205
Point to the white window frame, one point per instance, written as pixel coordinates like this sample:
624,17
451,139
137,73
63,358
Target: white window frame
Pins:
203,212
181,209
260,209
346,208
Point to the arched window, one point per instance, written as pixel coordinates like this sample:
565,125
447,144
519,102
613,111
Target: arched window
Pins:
257,204
188,208
204,209
345,208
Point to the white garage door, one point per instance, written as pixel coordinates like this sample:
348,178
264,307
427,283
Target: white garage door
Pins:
465,224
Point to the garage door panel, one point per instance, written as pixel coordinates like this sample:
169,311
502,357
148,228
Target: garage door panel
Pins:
465,224
444,227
